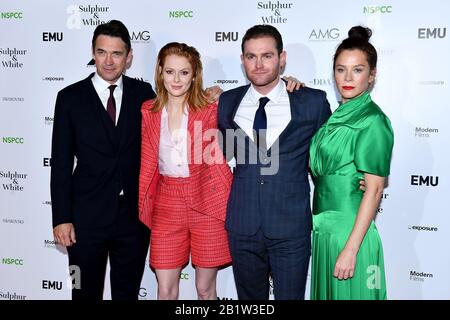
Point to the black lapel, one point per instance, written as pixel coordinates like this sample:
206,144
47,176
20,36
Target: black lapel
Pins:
125,109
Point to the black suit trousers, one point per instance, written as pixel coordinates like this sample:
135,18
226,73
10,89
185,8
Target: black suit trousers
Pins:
125,243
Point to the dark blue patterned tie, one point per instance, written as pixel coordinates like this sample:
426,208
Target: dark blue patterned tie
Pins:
260,123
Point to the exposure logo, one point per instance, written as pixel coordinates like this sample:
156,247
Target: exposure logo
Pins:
52,285
82,15
12,57
425,132
51,79
140,36
13,140
275,10
47,162
181,14
418,180
423,228
47,203
419,276
11,15
12,261
330,34
48,121
431,33
226,81
432,82
377,9
52,36
13,221
13,99
11,296
14,180
221,36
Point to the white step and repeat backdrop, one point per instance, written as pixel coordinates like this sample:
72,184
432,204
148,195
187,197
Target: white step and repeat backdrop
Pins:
46,45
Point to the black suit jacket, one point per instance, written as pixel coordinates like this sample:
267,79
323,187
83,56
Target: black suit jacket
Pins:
107,156
278,203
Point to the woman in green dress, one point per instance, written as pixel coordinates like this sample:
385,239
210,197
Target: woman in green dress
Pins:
355,143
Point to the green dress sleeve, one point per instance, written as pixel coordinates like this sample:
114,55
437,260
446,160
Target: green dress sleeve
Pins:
373,148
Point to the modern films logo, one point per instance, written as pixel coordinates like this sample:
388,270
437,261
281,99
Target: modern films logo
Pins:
419,276
275,11
13,181
86,15
11,57
425,132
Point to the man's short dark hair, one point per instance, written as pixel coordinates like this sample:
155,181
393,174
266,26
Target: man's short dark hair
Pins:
113,28
263,30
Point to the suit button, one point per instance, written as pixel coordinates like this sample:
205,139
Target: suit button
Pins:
262,181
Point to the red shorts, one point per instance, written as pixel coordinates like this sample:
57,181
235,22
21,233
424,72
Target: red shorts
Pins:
178,230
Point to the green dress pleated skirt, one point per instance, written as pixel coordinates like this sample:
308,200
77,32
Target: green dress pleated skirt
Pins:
357,138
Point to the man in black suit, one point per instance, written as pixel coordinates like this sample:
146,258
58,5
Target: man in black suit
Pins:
268,131
94,205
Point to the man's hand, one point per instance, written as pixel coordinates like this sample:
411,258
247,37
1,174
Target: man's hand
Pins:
362,185
64,234
213,93
293,83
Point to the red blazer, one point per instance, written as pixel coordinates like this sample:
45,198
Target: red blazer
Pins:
212,182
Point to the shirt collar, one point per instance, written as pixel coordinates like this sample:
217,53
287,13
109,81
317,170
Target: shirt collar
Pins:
274,95
101,85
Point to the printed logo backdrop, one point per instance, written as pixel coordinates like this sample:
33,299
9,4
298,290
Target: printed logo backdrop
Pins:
46,46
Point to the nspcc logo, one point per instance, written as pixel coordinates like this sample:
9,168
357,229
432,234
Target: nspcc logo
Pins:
13,140
11,15
12,261
181,14
377,9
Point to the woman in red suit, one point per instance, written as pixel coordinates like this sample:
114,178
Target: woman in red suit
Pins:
184,180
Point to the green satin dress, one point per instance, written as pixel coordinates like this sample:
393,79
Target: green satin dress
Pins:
357,138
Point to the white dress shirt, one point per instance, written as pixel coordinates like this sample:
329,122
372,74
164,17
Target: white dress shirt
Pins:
173,161
102,88
278,112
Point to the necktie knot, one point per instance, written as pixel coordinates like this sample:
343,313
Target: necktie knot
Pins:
263,101
111,88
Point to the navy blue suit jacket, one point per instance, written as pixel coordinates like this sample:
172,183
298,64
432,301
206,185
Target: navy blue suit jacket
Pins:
108,156
277,203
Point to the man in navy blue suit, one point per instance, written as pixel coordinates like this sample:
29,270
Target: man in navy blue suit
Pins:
94,205
268,131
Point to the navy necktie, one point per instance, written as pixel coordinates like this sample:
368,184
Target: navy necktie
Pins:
260,123
111,104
